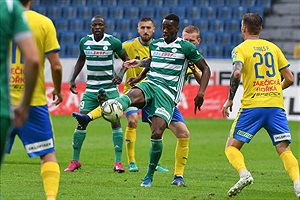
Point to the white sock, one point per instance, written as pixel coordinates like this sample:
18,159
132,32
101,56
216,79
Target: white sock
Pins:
244,173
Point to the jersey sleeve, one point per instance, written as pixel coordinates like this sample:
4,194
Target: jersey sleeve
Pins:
237,55
20,27
51,42
192,52
117,46
282,61
81,52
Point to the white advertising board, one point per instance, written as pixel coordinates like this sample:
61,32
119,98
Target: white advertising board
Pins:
221,70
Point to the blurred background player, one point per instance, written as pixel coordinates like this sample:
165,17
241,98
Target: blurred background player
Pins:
257,61
37,133
16,29
97,51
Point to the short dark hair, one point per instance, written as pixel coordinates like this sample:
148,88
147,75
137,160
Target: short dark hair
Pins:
253,22
146,19
172,17
24,2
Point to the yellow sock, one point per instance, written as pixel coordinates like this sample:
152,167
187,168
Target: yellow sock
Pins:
290,165
236,158
50,174
130,138
96,113
181,155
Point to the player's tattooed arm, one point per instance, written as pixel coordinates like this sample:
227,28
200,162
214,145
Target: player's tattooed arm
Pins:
235,79
145,62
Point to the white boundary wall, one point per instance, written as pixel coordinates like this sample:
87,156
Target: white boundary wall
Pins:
221,70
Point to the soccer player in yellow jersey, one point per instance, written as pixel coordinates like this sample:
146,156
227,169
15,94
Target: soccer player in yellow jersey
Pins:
260,64
37,132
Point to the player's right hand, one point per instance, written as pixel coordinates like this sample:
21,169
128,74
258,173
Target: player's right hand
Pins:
20,115
191,65
131,63
72,87
132,81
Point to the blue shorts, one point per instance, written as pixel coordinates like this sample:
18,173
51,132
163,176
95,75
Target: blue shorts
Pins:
177,116
36,134
250,120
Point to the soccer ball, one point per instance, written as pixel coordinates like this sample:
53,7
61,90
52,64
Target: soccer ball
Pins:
111,110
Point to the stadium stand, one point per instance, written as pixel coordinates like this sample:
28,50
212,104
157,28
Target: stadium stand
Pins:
218,20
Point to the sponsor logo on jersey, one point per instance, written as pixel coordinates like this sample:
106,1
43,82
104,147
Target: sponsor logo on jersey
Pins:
233,55
268,94
88,47
164,54
163,112
244,134
282,137
94,52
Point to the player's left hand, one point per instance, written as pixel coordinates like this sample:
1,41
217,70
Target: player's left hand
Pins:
227,104
198,101
57,97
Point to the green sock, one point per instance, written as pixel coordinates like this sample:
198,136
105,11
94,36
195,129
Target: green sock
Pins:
124,101
118,143
155,153
78,138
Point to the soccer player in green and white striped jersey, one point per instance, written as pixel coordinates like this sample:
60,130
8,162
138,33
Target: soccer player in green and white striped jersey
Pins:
162,88
14,26
97,51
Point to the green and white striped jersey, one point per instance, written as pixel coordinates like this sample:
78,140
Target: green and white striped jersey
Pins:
13,26
100,61
169,65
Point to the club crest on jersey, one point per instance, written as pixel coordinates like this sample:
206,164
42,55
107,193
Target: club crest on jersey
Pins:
234,54
174,50
105,48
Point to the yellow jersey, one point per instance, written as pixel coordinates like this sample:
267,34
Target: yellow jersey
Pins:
135,50
262,62
45,37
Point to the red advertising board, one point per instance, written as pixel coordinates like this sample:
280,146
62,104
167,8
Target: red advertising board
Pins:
215,96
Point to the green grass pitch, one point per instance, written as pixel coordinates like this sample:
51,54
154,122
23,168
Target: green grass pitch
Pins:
208,174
